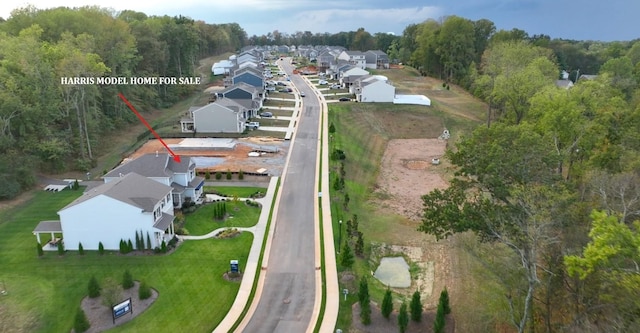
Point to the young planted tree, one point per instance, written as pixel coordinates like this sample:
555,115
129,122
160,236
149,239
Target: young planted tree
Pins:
127,280
129,246
346,256
218,175
403,318
163,247
80,249
81,323
444,299
148,241
100,248
365,302
241,175
416,307
94,287
229,175
346,201
438,323
207,175
387,304
359,246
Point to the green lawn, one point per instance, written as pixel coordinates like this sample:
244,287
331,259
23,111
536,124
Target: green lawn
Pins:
44,293
230,191
239,214
280,103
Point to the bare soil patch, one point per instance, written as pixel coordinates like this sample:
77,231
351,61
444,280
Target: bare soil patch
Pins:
407,173
100,316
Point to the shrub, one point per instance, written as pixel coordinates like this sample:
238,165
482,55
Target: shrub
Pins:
163,247
94,287
127,280
149,241
229,175
387,304
332,128
39,249
359,247
80,249
338,154
416,307
144,291
241,175
403,318
100,248
81,323
111,292
218,175
60,248
207,175
444,299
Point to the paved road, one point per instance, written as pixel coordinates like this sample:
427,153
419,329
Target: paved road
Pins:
288,296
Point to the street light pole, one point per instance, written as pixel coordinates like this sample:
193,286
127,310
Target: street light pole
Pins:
340,236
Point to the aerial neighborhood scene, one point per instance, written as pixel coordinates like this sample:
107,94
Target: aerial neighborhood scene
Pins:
307,166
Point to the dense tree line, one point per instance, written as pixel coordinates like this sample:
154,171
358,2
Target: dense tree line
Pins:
359,40
551,181
45,125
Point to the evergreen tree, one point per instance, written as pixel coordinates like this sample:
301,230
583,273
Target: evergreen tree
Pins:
138,247
94,287
332,128
81,323
127,280
241,175
438,323
163,247
363,290
218,175
346,256
207,175
387,304
39,249
416,307
148,241
403,318
365,302
346,200
60,248
444,299
80,249
129,246
122,246
229,174
100,248
359,247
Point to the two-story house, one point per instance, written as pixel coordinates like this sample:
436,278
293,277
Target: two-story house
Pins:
162,168
116,210
355,58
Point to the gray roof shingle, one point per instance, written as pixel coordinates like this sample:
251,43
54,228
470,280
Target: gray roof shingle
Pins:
133,189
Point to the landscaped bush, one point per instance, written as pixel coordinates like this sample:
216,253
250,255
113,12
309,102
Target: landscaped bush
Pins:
229,175
241,175
81,323
182,231
111,292
127,280
218,175
94,287
338,154
60,248
144,291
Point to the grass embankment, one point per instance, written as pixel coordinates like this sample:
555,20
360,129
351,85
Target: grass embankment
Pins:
44,293
362,132
231,191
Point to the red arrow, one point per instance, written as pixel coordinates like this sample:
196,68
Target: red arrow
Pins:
175,157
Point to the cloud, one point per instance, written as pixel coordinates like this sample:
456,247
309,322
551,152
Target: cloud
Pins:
336,20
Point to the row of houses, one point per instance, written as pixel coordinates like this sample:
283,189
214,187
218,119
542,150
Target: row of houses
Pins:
231,108
136,198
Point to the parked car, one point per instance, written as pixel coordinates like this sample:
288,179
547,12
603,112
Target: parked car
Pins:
344,99
253,125
323,82
289,90
335,86
302,94
266,114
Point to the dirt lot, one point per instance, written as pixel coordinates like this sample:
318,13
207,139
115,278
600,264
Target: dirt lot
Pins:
235,159
406,174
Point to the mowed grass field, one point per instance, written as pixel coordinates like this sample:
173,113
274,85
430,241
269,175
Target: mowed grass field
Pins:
44,293
362,132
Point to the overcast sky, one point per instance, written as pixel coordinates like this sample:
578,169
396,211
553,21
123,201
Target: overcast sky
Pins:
571,19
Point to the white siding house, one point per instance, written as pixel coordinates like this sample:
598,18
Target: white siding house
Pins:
115,211
164,169
374,89
355,58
